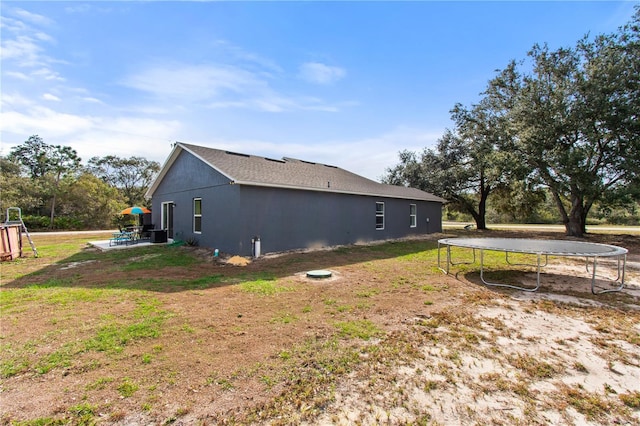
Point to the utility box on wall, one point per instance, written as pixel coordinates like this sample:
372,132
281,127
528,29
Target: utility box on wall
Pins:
158,236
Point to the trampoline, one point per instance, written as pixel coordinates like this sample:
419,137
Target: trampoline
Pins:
540,249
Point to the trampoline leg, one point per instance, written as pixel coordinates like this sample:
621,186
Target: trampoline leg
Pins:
619,277
448,248
506,257
515,287
450,262
462,263
618,262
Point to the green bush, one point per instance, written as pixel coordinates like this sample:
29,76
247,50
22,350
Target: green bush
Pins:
37,223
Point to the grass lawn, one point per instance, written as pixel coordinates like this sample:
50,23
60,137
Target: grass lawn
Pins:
162,335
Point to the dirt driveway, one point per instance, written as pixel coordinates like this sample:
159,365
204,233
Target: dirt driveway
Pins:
171,336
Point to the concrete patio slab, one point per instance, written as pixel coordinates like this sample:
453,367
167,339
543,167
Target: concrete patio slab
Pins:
103,245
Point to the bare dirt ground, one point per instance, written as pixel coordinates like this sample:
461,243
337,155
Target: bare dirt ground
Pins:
388,339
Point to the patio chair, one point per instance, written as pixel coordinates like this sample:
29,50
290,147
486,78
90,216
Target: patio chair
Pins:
145,233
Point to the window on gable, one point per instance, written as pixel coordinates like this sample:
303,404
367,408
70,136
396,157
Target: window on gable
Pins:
413,216
197,215
379,215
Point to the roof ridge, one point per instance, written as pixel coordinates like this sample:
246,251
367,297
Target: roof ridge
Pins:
293,173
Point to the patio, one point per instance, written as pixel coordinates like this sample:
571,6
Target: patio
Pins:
104,245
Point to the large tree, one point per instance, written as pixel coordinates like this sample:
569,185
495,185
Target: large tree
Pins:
92,203
467,165
132,176
48,165
33,155
577,118
569,124
17,190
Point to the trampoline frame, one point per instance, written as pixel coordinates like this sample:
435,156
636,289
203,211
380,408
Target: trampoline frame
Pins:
504,245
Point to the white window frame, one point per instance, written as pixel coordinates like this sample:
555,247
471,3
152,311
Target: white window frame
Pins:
196,215
164,218
413,215
379,213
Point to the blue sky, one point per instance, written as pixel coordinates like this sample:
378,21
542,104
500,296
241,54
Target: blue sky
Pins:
344,83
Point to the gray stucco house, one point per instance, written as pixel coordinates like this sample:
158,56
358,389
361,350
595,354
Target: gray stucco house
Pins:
225,200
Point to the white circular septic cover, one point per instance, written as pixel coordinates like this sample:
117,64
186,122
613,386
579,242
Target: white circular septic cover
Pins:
319,274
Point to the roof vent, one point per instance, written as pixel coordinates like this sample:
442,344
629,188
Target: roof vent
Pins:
237,153
275,161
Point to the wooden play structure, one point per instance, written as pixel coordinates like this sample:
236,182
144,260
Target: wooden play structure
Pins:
11,235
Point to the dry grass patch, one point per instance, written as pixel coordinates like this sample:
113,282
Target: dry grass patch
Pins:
166,335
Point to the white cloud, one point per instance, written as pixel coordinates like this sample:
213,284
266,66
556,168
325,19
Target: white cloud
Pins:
12,100
92,100
272,102
126,137
264,66
371,156
152,109
139,127
41,120
100,143
12,25
22,49
43,37
23,45
50,97
220,86
16,74
317,73
78,8
194,82
31,17
47,74
88,135
381,150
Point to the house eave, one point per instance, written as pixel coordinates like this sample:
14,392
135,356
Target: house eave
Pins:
368,190
335,191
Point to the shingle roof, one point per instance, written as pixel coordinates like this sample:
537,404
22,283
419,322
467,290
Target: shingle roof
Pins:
291,173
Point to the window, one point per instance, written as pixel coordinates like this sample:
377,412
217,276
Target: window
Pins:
379,215
167,215
197,215
413,222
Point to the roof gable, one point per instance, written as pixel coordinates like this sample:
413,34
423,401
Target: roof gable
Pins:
244,169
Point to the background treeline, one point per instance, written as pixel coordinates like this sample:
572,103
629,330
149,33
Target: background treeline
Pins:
55,190
554,137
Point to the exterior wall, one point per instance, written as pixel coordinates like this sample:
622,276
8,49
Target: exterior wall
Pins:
284,219
291,219
190,178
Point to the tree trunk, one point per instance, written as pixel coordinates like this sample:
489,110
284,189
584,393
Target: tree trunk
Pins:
576,226
53,211
478,216
561,209
481,219
481,222
53,200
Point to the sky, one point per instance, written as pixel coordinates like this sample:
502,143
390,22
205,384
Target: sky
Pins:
349,84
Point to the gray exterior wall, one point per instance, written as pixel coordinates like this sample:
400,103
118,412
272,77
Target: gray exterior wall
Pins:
284,219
